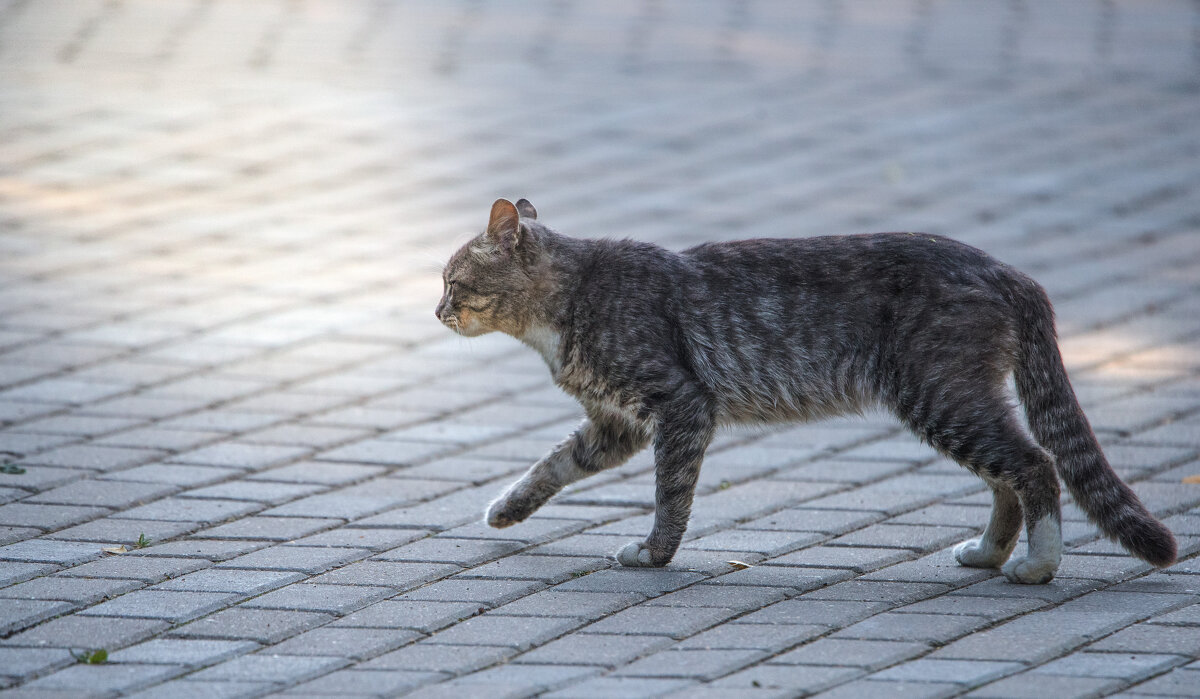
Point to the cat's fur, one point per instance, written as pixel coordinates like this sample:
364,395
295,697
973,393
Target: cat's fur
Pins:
662,347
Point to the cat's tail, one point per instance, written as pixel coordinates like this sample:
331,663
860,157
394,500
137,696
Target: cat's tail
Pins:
1059,424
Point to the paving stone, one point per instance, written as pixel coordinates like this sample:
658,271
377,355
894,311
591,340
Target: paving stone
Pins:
1151,638
857,559
805,611
175,606
870,687
1131,667
355,643
332,599
464,552
1031,686
260,667
424,616
399,576
696,663
76,631
96,457
768,637
322,473
662,621
931,628
181,475
248,457
621,687
17,614
180,651
520,632
304,559
244,582
525,678
49,551
109,531
186,689
365,682
255,491
265,626
810,681
192,510
104,679
641,581
743,597
97,493
595,649
555,602
1180,682
47,517
78,590
26,662
208,549
449,659
269,528
373,539
795,579
145,569
968,672
482,591
869,655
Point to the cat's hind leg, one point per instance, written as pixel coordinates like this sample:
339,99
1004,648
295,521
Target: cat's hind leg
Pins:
982,433
995,546
597,445
679,447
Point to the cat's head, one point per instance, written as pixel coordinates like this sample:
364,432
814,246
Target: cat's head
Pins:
489,283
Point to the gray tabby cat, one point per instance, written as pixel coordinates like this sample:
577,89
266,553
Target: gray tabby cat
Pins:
662,347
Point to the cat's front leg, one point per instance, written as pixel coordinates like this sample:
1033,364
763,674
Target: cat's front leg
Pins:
597,445
678,453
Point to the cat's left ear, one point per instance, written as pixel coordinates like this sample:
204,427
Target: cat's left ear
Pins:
526,209
504,226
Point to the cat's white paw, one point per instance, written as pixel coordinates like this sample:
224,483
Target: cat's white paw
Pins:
1029,571
634,555
977,554
498,514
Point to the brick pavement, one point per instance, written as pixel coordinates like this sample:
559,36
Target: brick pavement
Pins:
221,226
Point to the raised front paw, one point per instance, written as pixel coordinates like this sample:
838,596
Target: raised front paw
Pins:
636,554
1029,571
507,510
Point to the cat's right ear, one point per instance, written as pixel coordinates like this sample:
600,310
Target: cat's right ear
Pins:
526,209
504,226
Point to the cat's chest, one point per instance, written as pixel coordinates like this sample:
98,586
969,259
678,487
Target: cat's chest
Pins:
546,342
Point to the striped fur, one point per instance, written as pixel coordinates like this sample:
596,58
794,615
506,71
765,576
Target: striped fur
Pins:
662,347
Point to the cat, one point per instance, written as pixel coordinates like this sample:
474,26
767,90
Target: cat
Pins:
662,347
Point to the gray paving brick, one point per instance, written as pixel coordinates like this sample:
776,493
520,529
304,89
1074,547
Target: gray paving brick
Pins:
76,631
695,663
399,576
616,580
374,539
810,681
96,493
79,590
520,632
554,602
857,559
260,625
356,643
145,569
245,582
192,510
47,517
870,687
182,475
676,622
366,683
187,689
523,678
768,637
424,616
104,679
744,597
270,528
868,655
814,611
175,606
794,579
464,552
111,530
96,457
332,599
595,649
1180,682
933,628
992,608
249,457
621,687
1028,685
181,651
481,591
323,473
451,659
49,551
304,559
17,614
207,549
282,669
1131,667
968,672
267,492
26,662
1152,638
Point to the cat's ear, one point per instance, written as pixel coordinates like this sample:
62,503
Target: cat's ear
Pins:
526,209
504,227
